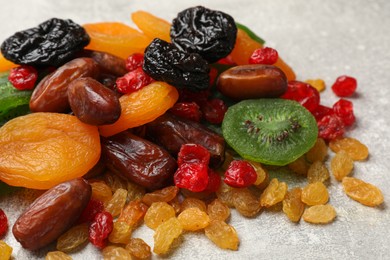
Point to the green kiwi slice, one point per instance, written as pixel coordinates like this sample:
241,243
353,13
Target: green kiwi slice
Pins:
269,131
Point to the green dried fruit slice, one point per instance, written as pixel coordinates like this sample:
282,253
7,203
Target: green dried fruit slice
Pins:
270,131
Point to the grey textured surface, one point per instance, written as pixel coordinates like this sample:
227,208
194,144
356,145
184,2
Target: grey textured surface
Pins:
320,39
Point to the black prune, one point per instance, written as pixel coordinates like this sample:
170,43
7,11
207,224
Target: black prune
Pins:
164,62
51,43
210,33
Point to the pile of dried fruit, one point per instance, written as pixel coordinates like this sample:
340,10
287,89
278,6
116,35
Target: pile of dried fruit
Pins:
145,141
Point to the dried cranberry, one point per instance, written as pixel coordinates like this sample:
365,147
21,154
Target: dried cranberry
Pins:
344,86
23,77
193,153
3,223
344,109
134,61
192,176
330,127
100,228
214,181
93,207
264,55
321,111
133,81
228,60
213,75
189,110
199,97
240,174
214,110
302,92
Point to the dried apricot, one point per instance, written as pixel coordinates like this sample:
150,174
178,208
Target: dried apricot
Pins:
318,84
341,165
273,194
152,26
293,207
142,107
40,150
6,65
363,192
222,234
353,147
315,194
319,214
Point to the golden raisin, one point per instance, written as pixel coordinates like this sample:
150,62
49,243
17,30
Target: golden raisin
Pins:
262,175
363,192
319,214
222,234
138,248
57,255
101,191
5,250
115,182
318,152
273,194
315,194
135,191
299,166
217,210
175,203
120,233
164,195
317,172
293,206
158,213
115,205
73,238
165,235
193,219
246,203
226,194
318,84
353,147
133,213
115,253
341,165
193,203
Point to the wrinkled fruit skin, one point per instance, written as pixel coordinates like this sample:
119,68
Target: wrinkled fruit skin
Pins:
138,160
52,214
51,43
210,33
172,132
92,102
108,63
164,62
50,95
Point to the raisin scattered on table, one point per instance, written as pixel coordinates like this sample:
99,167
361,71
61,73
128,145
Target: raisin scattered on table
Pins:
210,33
51,43
164,62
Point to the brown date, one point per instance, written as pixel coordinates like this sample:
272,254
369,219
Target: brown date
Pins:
92,102
50,95
172,132
108,63
252,81
139,160
51,214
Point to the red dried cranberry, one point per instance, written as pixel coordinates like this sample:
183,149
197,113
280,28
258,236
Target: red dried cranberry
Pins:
302,92
133,81
240,174
344,109
214,181
264,55
134,61
3,223
100,228
193,153
192,176
23,77
213,75
93,207
321,111
199,97
228,60
214,110
344,86
189,110
330,127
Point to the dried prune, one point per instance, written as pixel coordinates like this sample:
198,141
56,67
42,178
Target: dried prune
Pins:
164,62
52,42
210,33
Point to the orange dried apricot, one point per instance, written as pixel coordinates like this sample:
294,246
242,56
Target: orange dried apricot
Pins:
152,26
116,38
6,65
41,150
142,107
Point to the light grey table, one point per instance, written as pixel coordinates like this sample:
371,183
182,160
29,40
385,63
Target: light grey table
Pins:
320,39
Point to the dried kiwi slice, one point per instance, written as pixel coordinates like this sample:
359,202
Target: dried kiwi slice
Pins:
270,131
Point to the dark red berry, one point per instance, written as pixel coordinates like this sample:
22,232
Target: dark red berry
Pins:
93,207
193,153
213,75
3,223
344,86
303,93
344,109
133,81
189,110
321,111
192,176
228,60
214,181
214,110
134,61
100,228
264,55
240,174
330,127
199,97
23,77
